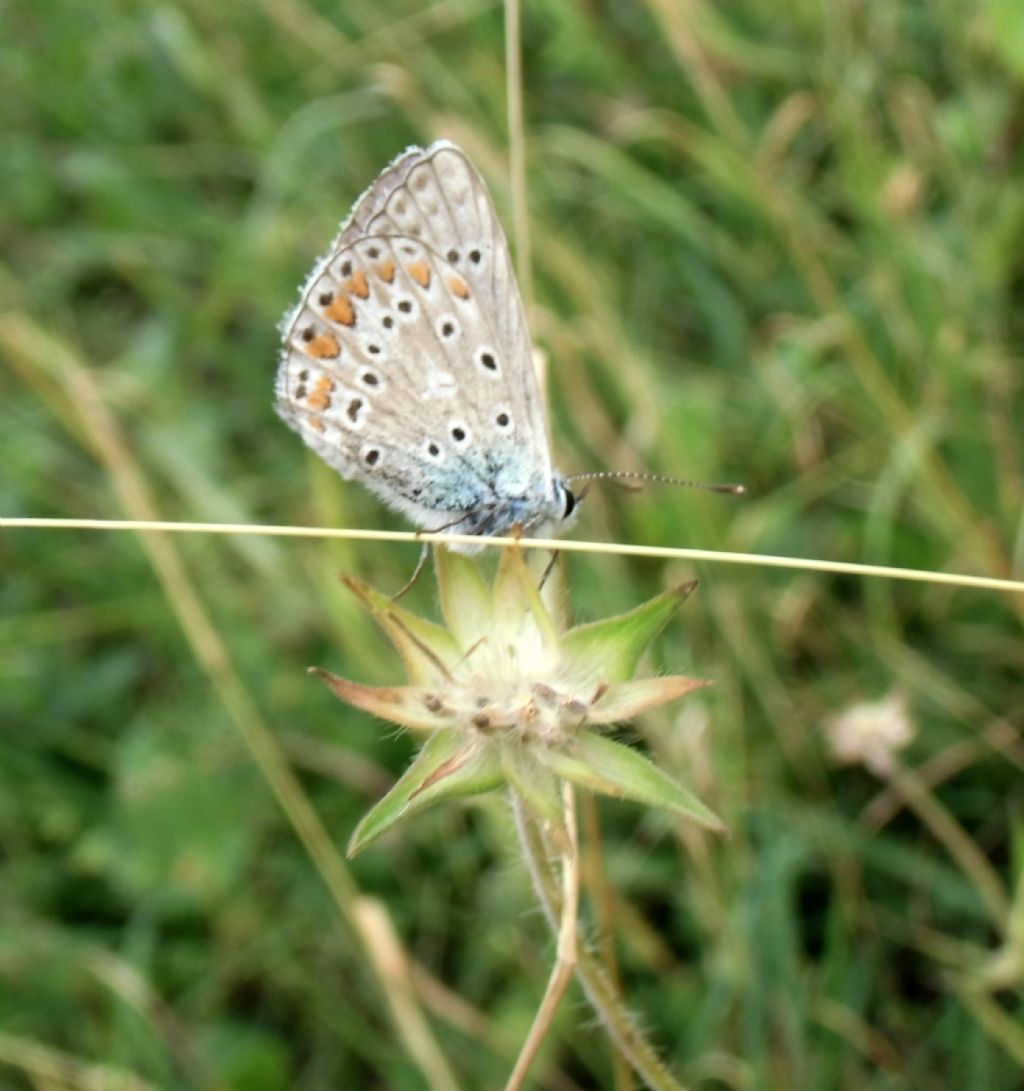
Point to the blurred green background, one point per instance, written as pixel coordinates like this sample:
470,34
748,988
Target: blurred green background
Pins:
780,243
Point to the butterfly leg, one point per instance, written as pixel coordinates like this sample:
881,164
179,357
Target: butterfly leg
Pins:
548,569
424,553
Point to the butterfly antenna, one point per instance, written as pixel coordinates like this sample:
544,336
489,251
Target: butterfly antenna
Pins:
635,475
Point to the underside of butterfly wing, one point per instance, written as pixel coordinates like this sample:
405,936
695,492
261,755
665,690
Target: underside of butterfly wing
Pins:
407,364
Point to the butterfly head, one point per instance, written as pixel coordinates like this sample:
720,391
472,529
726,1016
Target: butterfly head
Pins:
552,518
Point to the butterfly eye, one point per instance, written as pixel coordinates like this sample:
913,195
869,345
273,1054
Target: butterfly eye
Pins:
570,503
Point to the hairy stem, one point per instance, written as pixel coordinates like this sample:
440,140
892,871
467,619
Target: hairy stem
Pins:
598,986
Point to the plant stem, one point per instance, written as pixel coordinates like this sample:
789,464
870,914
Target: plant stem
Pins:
599,988
565,963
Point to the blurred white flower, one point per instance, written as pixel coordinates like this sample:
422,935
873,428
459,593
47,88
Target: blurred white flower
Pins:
871,733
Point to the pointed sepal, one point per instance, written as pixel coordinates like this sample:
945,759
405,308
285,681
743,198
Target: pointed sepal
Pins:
625,700
445,768
409,706
428,650
520,614
610,649
465,597
612,769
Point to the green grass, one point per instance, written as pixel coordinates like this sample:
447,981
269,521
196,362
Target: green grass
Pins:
772,242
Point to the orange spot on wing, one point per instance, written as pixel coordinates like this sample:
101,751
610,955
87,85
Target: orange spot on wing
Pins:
320,399
459,287
420,272
356,284
324,347
341,310
316,425
386,271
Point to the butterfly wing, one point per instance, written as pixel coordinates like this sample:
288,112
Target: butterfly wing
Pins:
438,196
408,364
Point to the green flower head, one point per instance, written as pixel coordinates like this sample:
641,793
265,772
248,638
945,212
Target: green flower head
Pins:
505,697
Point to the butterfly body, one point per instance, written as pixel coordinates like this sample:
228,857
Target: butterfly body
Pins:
407,364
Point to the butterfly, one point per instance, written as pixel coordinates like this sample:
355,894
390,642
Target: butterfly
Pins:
408,366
